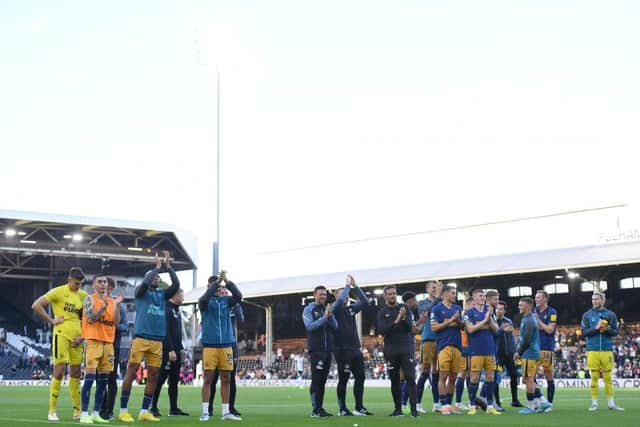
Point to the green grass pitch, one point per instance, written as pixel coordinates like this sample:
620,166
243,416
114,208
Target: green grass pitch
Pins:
289,406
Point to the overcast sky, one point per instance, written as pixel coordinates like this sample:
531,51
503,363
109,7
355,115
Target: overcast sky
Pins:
341,120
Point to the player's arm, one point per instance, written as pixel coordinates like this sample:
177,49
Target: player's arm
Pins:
142,288
363,301
338,304
123,325
203,301
90,311
588,330
236,295
175,282
239,313
307,317
612,328
471,327
40,305
438,324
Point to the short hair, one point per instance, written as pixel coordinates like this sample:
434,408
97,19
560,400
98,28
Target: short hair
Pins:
476,291
528,300
601,295
543,292
110,282
386,288
491,293
431,282
449,288
504,304
212,279
319,288
407,296
100,275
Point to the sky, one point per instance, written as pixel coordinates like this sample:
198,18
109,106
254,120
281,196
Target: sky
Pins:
339,121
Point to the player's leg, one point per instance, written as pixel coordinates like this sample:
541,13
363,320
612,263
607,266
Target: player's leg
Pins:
93,352
106,412
320,365
75,362
59,355
435,378
162,376
172,385
425,371
344,372
357,369
606,361
153,357
474,382
409,369
232,384
205,393
212,395
393,369
225,367
548,375
529,368
489,365
136,353
444,369
460,381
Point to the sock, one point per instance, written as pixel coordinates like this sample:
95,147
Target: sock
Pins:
551,390
225,408
405,395
435,378
530,404
86,391
146,401
608,385
205,407
54,391
496,389
595,376
610,402
74,391
483,390
459,389
84,413
124,400
594,402
489,386
473,391
101,387
537,393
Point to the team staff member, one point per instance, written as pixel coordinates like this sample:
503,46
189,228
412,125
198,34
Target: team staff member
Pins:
395,322
347,347
320,324
100,315
122,328
507,349
66,349
171,357
547,317
149,331
217,340
446,323
428,354
480,327
600,325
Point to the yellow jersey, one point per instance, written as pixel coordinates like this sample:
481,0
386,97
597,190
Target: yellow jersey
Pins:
67,303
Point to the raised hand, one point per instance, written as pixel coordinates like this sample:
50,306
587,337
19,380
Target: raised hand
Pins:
167,258
157,260
351,282
327,312
119,298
